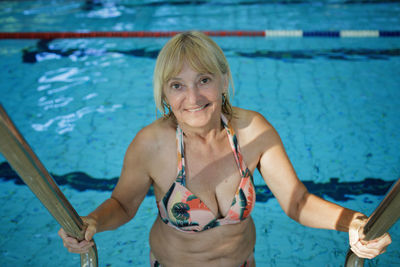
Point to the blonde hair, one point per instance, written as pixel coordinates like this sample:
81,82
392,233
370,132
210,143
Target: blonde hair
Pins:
201,53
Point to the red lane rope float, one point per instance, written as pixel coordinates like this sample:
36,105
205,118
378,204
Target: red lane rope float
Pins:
137,34
235,33
156,34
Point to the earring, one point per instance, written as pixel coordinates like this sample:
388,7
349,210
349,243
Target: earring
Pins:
166,105
223,99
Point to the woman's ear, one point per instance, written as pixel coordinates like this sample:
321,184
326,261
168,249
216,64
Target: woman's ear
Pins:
226,83
164,98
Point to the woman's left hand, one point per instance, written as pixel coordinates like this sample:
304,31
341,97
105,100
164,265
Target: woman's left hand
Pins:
362,248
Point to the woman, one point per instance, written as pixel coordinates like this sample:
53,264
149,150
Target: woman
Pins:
200,158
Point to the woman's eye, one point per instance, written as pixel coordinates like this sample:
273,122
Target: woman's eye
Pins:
175,86
205,80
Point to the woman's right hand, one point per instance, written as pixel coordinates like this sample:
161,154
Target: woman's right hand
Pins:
74,245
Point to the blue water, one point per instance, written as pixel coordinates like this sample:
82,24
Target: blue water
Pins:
79,102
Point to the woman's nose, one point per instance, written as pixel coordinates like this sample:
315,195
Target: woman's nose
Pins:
193,94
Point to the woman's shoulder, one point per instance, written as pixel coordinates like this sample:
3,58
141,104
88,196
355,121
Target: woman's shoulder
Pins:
154,136
158,128
249,120
254,131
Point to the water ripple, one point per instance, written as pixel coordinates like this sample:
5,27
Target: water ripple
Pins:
62,75
66,123
54,103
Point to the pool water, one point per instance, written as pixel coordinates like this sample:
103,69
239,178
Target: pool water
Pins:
79,103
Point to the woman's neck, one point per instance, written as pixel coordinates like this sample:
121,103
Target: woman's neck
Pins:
206,134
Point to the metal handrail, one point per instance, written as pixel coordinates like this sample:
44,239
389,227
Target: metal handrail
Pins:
28,166
384,217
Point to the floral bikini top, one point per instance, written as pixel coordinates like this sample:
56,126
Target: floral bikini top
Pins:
184,211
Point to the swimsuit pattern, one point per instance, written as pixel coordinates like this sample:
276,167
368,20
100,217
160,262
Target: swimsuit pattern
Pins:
184,211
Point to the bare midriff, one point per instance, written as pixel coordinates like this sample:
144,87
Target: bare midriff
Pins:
226,245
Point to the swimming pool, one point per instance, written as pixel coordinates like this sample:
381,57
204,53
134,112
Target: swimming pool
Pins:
79,102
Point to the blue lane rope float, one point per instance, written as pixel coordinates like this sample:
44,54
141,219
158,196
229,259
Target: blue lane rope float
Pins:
160,34
332,34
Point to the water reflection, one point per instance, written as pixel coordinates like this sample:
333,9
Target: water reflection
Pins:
66,123
70,106
46,103
62,75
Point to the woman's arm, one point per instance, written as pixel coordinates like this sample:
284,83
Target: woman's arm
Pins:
121,207
131,189
294,198
300,205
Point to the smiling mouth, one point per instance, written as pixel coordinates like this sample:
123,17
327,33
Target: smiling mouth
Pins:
198,109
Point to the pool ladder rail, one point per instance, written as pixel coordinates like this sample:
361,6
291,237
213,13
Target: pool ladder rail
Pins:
381,220
23,160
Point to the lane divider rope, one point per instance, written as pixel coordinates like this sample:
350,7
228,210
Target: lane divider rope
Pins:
160,34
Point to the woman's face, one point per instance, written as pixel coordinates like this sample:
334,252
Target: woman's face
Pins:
195,98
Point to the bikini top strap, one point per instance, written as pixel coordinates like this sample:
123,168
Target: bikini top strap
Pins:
234,144
181,177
